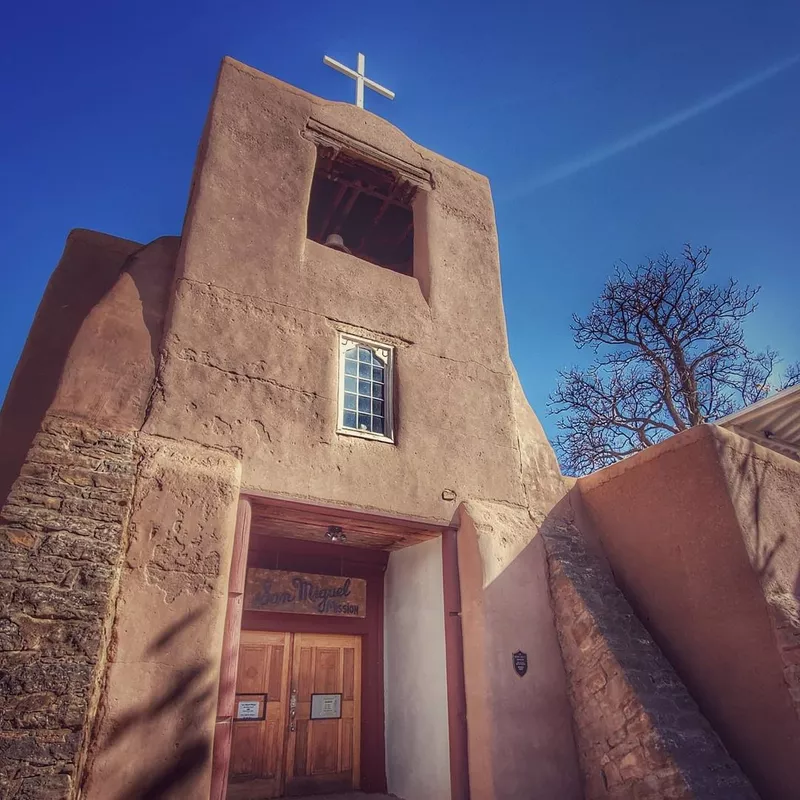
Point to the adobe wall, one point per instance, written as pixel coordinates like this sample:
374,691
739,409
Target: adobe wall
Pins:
88,269
639,732
115,557
259,379
519,728
764,488
159,698
219,361
67,475
115,545
92,349
259,376
416,675
701,531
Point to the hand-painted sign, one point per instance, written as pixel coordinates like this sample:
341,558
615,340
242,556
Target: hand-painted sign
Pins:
520,661
299,593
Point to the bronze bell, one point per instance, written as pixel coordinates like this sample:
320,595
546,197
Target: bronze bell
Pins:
336,242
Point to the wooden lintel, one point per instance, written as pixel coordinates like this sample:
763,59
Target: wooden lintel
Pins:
329,216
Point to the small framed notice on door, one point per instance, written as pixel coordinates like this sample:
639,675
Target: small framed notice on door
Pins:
251,707
326,706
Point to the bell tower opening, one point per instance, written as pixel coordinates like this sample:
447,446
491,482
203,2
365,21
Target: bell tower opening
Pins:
362,209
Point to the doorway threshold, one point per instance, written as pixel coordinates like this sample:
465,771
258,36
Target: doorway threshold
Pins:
238,792
349,796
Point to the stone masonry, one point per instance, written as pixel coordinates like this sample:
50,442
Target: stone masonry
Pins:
639,733
61,538
784,611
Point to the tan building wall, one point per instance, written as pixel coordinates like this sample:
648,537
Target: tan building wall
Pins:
260,374
67,480
639,732
417,736
505,609
159,698
703,535
225,380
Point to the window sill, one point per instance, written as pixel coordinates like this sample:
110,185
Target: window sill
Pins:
375,437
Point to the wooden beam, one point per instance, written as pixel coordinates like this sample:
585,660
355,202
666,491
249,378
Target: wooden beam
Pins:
346,209
261,500
327,221
223,730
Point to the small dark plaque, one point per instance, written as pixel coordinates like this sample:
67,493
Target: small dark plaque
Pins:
520,660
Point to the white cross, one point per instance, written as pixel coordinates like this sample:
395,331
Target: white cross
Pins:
358,76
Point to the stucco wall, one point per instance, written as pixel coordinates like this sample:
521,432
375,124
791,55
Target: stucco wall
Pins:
259,379
237,361
764,488
417,739
159,697
260,374
519,728
691,542
639,733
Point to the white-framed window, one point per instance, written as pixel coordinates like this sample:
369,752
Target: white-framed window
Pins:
366,372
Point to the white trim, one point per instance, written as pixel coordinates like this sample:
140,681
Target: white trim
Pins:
386,353
775,401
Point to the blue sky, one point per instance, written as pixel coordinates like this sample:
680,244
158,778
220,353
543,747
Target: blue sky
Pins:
609,131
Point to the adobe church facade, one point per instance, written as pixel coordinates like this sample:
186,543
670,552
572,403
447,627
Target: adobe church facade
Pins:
278,518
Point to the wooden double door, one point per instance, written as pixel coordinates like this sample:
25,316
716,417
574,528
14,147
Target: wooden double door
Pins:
298,723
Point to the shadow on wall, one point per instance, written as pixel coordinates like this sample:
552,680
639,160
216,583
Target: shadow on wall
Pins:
764,495
179,716
125,333
637,729
747,486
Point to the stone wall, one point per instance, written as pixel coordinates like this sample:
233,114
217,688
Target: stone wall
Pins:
61,535
703,534
784,611
638,731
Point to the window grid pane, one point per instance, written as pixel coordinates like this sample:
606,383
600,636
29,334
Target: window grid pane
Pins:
361,411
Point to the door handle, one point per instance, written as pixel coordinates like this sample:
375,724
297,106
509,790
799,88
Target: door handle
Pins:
293,710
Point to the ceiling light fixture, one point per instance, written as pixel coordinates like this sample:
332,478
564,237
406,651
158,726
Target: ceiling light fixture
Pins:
335,534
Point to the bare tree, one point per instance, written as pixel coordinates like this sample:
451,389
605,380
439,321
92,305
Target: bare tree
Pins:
669,354
791,376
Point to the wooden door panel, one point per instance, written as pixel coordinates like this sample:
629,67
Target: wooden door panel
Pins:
307,756
258,746
348,678
324,754
327,676
347,745
246,750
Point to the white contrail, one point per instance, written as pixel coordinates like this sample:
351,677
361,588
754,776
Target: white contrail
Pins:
650,131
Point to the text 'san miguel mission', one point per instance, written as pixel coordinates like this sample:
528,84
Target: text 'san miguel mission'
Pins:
300,593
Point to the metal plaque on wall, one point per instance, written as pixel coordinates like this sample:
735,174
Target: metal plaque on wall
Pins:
251,707
301,593
520,661
326,706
